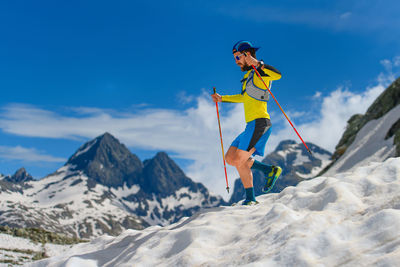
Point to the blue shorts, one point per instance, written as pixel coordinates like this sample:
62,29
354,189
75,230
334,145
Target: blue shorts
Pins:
255,135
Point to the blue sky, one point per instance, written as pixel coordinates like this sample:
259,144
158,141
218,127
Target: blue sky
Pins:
71,70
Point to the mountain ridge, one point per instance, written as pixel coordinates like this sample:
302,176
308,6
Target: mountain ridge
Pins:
107,161
385,102
374,135
103,189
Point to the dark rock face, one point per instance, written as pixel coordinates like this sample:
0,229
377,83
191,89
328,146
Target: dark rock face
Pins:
20,176
17,182
108,162
395,131
389,99
296,163
385,102
162,176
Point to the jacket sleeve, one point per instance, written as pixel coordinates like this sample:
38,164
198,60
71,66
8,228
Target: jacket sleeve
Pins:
268,74
233,98
267,71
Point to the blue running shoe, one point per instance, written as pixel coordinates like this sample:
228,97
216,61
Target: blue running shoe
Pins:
271,178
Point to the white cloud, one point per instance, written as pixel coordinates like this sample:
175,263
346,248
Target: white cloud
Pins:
391,67
396,61
184,98
317,95
26,154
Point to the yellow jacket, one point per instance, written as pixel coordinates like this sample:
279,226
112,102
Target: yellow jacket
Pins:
254,109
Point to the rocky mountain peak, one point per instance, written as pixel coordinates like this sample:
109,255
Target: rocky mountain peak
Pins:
163,175
285,144
90,149
107,161
20,176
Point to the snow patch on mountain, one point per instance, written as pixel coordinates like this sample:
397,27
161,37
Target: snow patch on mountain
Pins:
295,155
350,219
325,161
125,190
370,144
182,199
300,159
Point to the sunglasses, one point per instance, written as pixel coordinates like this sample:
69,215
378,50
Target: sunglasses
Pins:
238,57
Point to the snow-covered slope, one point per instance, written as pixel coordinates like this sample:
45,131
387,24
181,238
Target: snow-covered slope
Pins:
351,219
370,144
17,250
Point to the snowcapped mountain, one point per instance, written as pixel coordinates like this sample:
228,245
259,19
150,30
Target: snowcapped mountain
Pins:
296,163
107,162
103,189
374,136
16,182
20,176
349,219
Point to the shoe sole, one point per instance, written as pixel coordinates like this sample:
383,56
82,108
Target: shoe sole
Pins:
253,203
237,204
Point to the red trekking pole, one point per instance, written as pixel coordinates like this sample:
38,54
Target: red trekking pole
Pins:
222,145
258,74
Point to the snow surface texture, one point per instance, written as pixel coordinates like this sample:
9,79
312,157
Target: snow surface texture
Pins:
21,250
370,144
350,219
